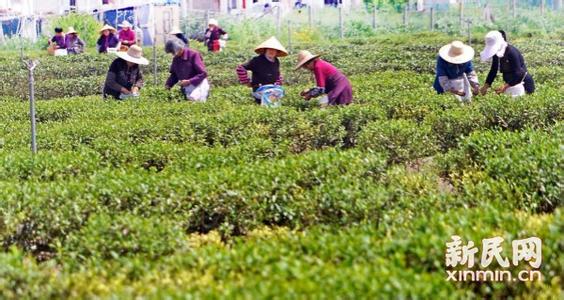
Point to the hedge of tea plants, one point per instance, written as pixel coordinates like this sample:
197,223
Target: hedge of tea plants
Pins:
161,198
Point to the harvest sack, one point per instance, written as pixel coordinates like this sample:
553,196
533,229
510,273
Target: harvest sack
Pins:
223,42
128,96
197,93
61,52
462,84
270,95
516,90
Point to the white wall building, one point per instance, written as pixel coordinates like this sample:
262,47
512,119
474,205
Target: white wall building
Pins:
45,7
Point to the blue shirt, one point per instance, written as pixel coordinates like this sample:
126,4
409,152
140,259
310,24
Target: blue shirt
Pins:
452,71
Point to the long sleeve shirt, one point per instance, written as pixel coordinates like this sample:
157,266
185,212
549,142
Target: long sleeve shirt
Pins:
120,75
322,71
325,78
59,41
127,37
447,71
511,65
74,45
189,66
263,71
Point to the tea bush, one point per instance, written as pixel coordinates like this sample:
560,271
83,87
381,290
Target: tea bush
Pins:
162,198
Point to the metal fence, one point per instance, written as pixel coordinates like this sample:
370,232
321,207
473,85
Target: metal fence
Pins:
338,22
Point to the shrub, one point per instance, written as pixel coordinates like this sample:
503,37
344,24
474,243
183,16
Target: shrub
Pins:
401,140
522,169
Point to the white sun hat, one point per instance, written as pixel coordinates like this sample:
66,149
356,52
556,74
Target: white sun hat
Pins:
272,43
175,30
456,53
304,56
213,22
134,54
494,42
124,24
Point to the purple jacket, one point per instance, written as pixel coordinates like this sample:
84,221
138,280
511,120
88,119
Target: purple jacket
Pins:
189,66
105,42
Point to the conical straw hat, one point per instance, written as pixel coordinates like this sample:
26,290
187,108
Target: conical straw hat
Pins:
272,43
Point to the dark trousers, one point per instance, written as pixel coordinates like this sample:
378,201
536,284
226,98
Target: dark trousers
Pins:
529,84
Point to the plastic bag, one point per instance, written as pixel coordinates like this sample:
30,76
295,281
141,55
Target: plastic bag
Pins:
270,95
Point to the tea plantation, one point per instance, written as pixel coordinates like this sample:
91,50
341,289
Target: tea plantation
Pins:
160,198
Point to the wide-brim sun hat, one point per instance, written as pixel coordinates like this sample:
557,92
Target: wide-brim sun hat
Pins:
456,53
134,54
213,22
175,30
125,24
272,43
108,27
304,57
71,30
494,40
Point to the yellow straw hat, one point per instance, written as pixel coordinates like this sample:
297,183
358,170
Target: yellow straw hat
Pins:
304,57
108,27
134,54
456,53
71,30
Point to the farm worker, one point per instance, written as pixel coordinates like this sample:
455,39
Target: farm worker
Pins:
58,40
126,34
107,40
265,66
455,72
188,70
509,61
213,35
124,78
73,43
331,82
176,32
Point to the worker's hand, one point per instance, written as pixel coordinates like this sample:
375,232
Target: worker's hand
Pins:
459,93
502,89
484,89
304,93
184,83
125,91
249,85
135,90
